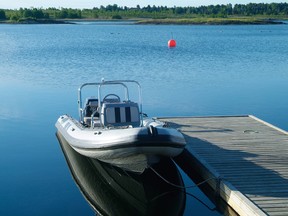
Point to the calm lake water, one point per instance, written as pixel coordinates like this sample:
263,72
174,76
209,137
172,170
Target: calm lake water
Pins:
214,70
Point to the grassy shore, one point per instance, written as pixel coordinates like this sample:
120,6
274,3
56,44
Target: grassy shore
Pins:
35,21
212,21
167,21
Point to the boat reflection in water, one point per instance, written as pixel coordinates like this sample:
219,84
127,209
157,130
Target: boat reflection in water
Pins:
112,191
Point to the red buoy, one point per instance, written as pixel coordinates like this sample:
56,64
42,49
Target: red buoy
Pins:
171,43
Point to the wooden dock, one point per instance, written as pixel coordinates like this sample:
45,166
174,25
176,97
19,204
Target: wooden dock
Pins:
246,157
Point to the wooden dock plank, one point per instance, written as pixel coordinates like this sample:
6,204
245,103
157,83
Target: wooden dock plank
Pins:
247,155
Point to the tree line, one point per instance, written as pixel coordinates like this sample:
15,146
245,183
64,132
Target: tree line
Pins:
116,12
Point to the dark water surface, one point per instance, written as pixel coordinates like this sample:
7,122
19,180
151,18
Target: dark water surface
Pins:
214,70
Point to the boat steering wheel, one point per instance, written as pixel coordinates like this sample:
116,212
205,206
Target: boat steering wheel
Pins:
115,98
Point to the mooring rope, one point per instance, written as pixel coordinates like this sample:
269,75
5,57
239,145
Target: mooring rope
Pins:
179,186
184,187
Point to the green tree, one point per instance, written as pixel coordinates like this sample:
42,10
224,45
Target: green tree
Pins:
2,15
62,14
74,14
117,16
26,13
37,13
14,16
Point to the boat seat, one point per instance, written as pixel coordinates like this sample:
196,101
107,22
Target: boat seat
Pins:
90,107
120,114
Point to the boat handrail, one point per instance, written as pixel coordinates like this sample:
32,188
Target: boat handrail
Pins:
102,83
92,119
80,108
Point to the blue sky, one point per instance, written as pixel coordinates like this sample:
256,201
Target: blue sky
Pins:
15,4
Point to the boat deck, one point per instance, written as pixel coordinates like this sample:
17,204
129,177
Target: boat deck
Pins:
246,157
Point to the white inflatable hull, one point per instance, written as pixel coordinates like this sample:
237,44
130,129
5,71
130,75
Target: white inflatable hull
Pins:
122,146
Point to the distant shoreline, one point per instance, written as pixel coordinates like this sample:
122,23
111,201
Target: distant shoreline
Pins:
213,21
36,21
191,21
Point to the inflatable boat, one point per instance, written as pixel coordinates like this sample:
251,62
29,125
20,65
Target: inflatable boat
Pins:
113,128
